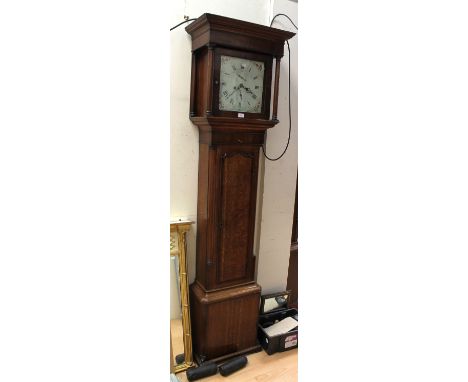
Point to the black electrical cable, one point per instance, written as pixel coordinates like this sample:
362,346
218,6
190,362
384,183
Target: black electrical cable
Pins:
183,22
282,14
289,94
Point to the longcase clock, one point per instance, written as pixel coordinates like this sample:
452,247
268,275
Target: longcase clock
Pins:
230,98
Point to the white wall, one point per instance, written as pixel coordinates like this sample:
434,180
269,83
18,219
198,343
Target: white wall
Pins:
279,178
278,199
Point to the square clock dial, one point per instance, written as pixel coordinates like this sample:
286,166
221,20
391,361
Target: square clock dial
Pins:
241,85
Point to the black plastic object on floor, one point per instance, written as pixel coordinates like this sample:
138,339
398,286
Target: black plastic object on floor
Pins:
233,365
203,371
179,358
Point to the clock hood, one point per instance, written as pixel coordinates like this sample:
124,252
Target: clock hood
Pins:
211,29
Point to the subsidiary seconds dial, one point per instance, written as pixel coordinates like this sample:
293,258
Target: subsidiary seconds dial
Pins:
241,85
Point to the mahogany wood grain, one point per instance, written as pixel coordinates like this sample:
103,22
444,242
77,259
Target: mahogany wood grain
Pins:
210,79
226,320
238,190
237,34
224,298
276,89
201,84
193,84
202,212
226,214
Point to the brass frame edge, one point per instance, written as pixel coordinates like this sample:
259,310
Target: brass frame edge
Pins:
182,228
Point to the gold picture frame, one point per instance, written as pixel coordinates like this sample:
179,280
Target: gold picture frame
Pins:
178,246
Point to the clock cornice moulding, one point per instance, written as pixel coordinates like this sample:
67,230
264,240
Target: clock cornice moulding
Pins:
211,29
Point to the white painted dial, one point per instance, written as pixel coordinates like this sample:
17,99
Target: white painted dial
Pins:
241,85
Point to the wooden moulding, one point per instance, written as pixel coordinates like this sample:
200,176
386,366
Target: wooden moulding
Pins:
225,321
193,83
219,30
226,214
211,138
233,123
212,296
224,130
210,75
276,90
214,36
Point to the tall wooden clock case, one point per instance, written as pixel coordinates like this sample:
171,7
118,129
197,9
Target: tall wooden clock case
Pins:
230,100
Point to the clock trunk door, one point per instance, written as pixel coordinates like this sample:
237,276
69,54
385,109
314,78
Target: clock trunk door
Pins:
236,215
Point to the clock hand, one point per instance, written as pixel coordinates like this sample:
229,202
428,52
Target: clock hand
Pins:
241,77
254,96
235,89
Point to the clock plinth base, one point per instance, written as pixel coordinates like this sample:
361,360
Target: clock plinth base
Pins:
224,322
